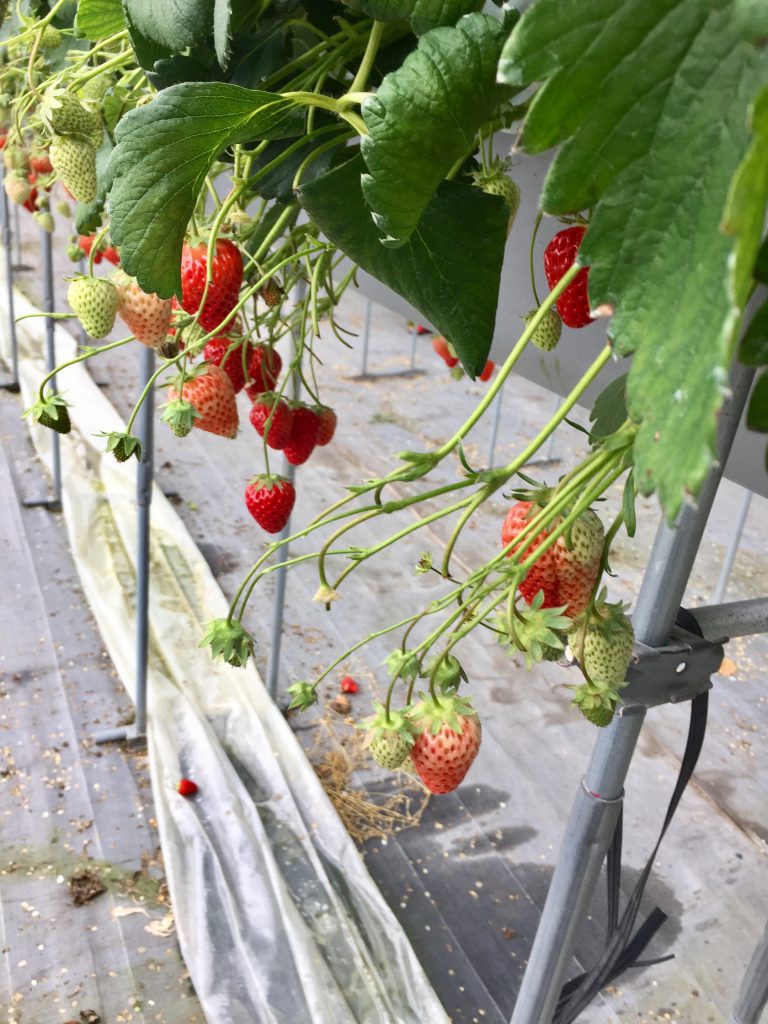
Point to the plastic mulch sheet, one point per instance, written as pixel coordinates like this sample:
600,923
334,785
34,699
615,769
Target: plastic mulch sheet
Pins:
278,919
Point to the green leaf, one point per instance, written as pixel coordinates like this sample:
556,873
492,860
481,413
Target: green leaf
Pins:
97,19
425,117
747,203
147,51
757,413
752,19
163,152
761,263
610,409
754,344
173,24
460,219
649,99
422,14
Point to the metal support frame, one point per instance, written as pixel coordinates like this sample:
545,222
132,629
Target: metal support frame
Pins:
366,337
18,265
596,808
13,384
547,459
733,547
136,733
414,343
53,504
753,994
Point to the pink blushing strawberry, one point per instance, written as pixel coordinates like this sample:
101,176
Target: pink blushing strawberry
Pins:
209,390
446,741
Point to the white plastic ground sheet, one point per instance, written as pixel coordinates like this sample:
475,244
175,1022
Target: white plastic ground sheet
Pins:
278,919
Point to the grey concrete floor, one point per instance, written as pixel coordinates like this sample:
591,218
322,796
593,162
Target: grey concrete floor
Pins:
468,884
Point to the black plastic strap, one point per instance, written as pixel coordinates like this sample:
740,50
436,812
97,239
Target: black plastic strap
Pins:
623,949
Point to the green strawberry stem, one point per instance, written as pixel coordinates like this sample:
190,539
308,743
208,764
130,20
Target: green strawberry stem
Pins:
79,359
94,248
360,81
535,232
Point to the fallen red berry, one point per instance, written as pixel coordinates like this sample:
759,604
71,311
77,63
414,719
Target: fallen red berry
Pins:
187,787
348,685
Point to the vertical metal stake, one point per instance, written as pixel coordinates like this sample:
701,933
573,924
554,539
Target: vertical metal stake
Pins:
13,384
414,341
17,234
732,550
366,337
46,244
278,602
495,425
753,995
596,807
289,472
144,475
549,454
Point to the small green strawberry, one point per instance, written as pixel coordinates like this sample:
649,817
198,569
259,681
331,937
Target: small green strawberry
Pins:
402,665
547,333
51,38
602,640
229,640
64,114
94,302
74,160
389,737
122,445
51,411
495,181
448,673
597,702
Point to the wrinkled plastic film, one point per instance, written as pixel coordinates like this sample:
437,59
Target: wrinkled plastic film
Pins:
278,919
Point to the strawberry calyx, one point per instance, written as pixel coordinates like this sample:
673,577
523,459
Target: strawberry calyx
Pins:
430,715
446,673
386,722
268,481
180,415
229,640
537,633
403,665
303,695
122,445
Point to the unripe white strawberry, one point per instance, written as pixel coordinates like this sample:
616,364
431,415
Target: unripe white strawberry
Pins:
94,302
74,160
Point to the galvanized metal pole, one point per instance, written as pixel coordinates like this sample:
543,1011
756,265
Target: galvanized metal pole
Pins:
46,245
289,472
753,994
144,476
145,431
736,618
414,341
17,235
732,550
497,402
366,337
596,808
13,383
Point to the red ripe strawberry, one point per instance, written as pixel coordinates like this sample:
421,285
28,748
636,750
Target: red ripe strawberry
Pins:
421,329
85,242
216,350
209,390
327,429
488,369
224,288
147,316
566,576
270,501
559,256
304,430
40,162
447,739
348,685
279,431
111,254
264,368
187,787
440,345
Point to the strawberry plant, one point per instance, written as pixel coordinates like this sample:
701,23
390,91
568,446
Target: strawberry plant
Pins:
241,161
